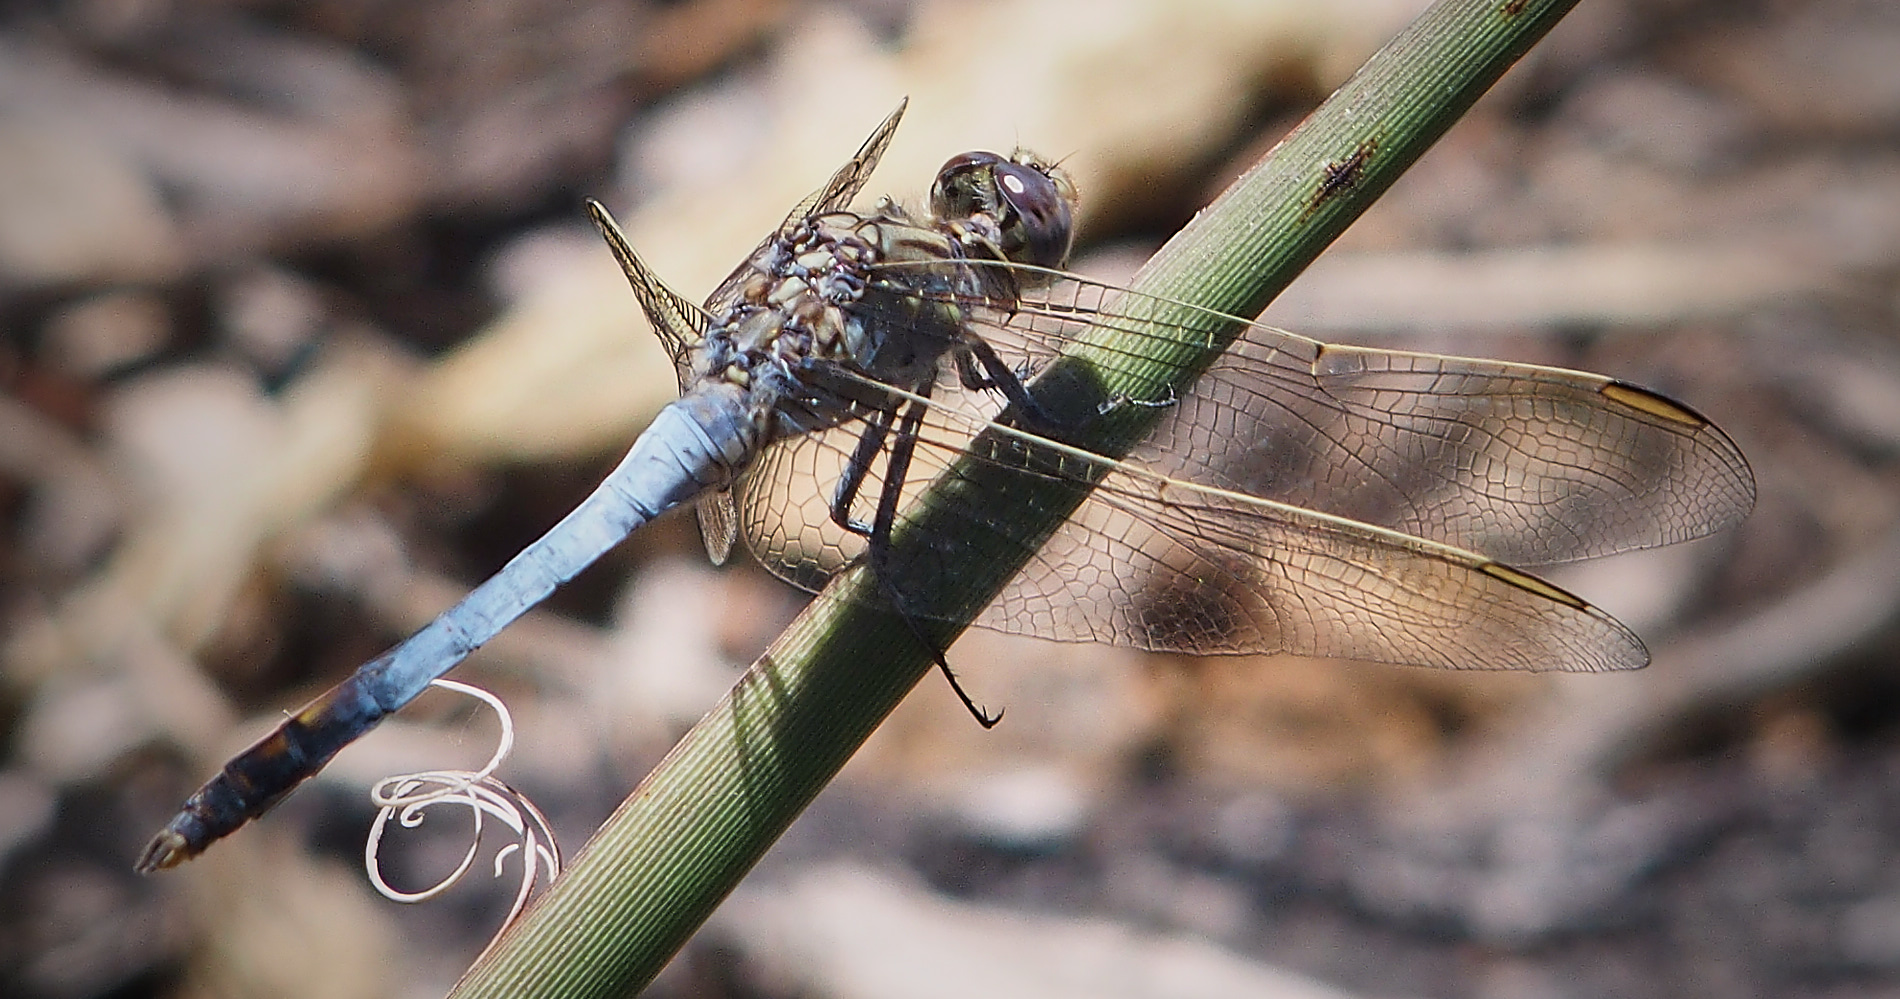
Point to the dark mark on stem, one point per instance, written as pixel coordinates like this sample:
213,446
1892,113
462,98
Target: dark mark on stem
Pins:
1342,176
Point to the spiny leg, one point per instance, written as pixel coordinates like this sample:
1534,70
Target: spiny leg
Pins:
995,374
870,442
878,534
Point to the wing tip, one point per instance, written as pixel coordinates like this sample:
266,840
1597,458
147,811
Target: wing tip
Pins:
1617,648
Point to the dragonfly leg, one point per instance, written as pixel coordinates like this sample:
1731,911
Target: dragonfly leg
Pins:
1172,399
869,444
997,375
878,543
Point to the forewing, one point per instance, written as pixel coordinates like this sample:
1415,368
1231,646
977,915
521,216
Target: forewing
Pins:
1527,464
836,194
845,184
677,321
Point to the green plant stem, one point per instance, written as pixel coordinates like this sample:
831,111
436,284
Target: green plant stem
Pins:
732,785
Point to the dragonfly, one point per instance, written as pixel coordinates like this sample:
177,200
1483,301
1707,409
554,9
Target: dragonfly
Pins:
1300,497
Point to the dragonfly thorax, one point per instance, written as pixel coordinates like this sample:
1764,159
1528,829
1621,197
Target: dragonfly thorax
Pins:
806,300
884,295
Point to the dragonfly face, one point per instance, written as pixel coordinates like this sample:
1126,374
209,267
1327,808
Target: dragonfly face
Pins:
1029,203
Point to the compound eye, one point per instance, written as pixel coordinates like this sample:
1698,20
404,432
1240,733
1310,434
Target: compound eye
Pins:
1038,222
965,186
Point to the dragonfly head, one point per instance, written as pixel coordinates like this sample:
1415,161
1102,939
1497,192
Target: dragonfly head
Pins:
1029,202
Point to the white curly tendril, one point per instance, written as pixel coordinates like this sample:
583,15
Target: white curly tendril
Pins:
405,796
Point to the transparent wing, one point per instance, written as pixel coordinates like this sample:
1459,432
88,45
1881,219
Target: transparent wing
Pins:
783,506
1169,566
1530,465
836,194
845,184
784,501
1160,564
718,524
677,321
